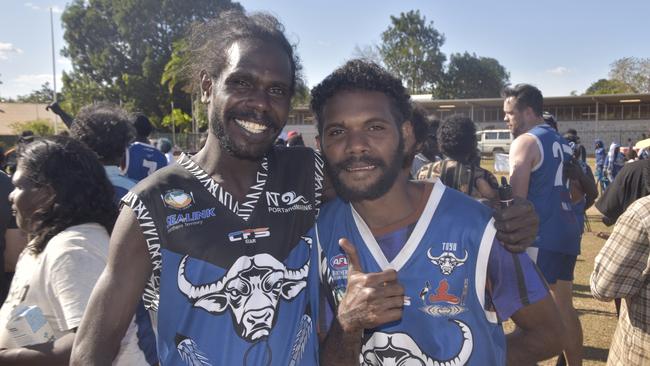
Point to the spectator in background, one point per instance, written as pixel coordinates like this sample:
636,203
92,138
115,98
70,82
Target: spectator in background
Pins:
294,139
631,156
165,146
425,138
622,270
141,159
12,239
460,169
571,135
600,155
632,183
106,130
614,161
63,200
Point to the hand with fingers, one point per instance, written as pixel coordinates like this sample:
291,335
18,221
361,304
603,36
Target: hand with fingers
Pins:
516,225
371,299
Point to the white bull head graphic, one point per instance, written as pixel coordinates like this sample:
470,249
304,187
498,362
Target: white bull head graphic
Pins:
447,261
399,349
251,289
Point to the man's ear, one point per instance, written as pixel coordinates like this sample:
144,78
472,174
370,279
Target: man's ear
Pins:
206,86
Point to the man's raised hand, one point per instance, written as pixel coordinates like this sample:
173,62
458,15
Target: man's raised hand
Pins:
371,299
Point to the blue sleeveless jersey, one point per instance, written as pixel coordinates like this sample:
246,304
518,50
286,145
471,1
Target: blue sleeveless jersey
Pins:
233,283
142,160
548,191
443,268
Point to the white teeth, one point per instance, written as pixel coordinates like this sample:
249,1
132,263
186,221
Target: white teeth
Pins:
369,167
252,127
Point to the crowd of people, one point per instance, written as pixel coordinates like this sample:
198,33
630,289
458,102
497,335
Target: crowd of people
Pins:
387,245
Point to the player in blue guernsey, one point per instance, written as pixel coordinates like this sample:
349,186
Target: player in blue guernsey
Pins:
141,158
425,282
537,157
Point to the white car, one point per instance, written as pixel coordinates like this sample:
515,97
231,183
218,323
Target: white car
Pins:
494,141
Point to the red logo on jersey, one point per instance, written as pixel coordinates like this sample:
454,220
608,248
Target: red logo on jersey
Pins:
442,294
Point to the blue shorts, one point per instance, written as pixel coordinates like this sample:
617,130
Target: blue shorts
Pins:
553,265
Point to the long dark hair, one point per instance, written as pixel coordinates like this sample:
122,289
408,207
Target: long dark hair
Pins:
81,190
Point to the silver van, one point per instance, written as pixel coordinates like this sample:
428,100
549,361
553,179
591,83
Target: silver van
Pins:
494,141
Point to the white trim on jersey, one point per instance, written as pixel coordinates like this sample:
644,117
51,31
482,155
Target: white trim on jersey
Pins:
481,268
541,151
414,239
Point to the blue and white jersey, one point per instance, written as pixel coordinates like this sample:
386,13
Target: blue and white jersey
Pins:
233,282
443,268
548,190
142,160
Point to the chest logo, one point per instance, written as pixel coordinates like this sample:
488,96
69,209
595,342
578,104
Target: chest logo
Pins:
447,261
178,199
251,291
287,202
249,236
383,349
339,262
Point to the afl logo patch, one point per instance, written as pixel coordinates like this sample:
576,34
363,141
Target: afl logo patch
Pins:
178,199
339,261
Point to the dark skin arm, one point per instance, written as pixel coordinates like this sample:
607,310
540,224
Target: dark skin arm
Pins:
56,109
538,335
587,183
370,300
516,225
51,353
126,274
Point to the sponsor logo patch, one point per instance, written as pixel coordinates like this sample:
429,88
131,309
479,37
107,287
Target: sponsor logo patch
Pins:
177,221
339,262
287,202
178,199
249,236
441,302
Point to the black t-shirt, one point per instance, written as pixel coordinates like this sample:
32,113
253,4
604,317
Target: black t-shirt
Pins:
631,183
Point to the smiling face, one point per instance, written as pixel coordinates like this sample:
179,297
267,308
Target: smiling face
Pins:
249,102
362,144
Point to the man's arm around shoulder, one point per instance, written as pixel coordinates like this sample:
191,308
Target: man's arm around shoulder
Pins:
115,297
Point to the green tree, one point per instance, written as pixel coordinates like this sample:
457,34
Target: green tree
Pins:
632,71
42,95
119,48
410,49
470,76
609,86
40,127
182,121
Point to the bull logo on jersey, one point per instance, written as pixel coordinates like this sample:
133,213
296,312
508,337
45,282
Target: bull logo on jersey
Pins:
399,349
447,261
177,199
251,289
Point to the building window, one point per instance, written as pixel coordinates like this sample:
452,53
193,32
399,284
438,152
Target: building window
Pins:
631,111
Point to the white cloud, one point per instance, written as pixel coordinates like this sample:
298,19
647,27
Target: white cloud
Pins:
560,70
32,6
6,49
55,8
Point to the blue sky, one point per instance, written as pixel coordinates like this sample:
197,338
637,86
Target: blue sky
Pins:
559,46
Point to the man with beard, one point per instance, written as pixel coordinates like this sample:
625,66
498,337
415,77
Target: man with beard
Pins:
425,281
537,157
218,235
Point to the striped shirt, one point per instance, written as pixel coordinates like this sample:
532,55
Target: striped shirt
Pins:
622,270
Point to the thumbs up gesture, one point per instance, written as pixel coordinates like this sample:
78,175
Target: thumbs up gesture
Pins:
371,299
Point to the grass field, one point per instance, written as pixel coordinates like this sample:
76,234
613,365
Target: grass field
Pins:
598,318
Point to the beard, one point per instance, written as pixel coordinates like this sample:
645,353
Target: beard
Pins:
374,190
241,151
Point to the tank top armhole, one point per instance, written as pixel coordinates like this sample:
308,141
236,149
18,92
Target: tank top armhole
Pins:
541,152
481,268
